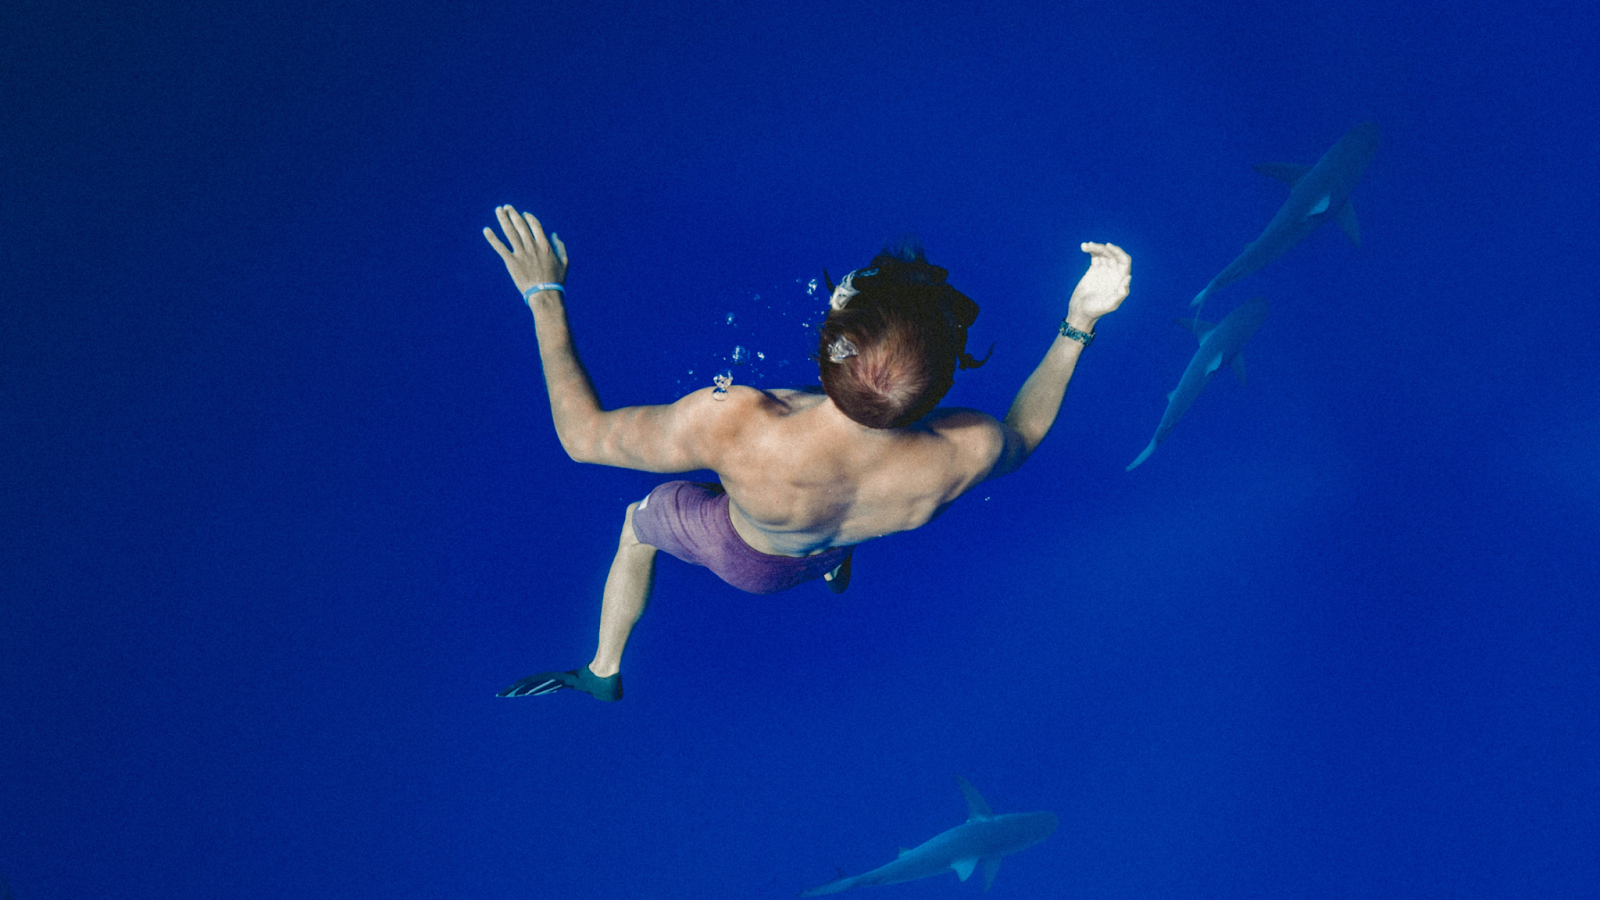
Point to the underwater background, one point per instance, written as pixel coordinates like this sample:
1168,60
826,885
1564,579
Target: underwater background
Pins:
282,505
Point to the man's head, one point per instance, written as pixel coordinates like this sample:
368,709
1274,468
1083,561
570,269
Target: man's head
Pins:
893,339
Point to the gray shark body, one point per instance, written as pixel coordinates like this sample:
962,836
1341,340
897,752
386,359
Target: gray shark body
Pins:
982,840
1219,346
1316,194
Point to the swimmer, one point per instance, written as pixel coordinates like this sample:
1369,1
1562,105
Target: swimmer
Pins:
803,476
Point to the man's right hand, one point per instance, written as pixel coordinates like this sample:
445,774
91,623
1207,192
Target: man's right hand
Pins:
531,259
1102,288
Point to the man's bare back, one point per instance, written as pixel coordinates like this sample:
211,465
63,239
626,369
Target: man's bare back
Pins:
801,478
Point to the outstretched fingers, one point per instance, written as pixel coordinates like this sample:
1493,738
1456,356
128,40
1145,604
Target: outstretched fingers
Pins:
531,232
503,216
494,241
1110,260
1107,253
530,257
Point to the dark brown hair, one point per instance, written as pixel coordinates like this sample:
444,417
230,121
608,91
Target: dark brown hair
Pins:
904,364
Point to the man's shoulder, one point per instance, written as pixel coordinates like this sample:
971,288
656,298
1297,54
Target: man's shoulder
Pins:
971,432
740,406
774,401
969,442
948,420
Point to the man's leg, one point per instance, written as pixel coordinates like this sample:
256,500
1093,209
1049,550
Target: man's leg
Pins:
626,595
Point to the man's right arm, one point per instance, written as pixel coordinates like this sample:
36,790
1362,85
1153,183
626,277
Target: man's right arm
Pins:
1033,412
677,437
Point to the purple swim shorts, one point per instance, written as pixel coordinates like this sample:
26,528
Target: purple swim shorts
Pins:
689,520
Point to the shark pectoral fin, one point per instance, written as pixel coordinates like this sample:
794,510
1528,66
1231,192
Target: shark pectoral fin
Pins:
1346,217
1238,367
1321,207
991,865
964,867
1288,173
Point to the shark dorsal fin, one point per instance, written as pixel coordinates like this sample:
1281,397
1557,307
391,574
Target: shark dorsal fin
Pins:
903,851
1288,173
977,807
964,867
1321,207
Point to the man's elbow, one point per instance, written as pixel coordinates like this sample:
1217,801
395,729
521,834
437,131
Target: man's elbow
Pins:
580,448
602,452
1013,453
1007,464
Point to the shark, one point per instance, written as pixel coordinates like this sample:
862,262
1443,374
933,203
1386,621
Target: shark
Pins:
981,840
1219,346
1316,194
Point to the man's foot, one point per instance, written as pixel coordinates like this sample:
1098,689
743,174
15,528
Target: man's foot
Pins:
607,689
839,578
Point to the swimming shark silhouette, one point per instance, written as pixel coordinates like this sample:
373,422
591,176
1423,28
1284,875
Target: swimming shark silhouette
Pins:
1316,194
983,838
1219,346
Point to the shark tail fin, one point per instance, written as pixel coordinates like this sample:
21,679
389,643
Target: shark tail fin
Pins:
1197,326
1288,173
842,883
1142,457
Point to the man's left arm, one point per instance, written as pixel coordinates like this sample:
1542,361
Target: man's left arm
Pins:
667,438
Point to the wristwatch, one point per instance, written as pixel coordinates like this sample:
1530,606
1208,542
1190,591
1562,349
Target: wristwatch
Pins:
1083,337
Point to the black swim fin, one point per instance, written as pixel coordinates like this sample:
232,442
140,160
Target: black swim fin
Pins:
839,578
607,689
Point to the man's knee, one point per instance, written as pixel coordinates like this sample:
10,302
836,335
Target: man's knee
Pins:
629,537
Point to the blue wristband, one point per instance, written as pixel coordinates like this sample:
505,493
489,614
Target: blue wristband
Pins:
527,295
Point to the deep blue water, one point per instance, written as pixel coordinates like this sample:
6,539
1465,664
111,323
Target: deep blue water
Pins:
283,508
